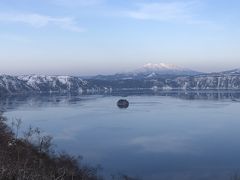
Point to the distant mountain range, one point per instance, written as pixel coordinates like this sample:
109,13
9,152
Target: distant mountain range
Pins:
149,71
150,76
40,84
161,68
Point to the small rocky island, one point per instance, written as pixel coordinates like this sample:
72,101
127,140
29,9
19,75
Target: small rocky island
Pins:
123,103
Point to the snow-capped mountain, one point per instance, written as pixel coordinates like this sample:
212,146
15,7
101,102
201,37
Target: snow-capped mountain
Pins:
54,83
209,81
11,84
149,71
168,77
40,84
150,78
232,72
164,69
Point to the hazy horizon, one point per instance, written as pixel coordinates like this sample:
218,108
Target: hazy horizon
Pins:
90,37
119,72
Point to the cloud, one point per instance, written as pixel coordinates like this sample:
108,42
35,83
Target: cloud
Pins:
39,21
74,3
178,11
163,144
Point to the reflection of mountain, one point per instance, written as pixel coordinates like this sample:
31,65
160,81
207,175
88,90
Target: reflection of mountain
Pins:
46,100
188,95
28,101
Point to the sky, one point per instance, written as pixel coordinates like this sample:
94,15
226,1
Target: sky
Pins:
88,37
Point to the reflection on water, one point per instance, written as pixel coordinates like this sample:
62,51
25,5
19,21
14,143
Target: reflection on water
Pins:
41,100
168,135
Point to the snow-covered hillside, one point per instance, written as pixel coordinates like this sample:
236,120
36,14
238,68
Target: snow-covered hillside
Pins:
227,80
205,82
54,83
11,84
36,83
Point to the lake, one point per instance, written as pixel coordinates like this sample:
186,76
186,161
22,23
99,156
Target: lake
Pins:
166,135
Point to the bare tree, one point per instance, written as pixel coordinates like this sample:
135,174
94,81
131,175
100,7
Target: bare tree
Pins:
32,157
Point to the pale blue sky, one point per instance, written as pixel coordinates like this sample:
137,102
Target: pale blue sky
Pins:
86,37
